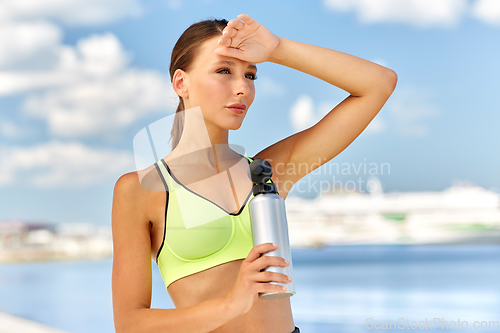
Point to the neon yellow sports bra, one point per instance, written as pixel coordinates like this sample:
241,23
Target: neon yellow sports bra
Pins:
188,249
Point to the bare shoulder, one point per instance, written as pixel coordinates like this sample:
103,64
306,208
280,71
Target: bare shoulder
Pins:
127,183
138,185
129,197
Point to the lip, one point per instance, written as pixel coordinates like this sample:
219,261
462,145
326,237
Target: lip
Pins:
238,106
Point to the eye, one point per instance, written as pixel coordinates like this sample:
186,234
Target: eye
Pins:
252,76
223,69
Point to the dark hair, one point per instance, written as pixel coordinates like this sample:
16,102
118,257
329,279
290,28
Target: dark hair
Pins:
185,51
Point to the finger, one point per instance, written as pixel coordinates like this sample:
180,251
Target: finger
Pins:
271,288
230,52
229,32
237,24
268,261
224,41
247,18
234,23
268,276
257,250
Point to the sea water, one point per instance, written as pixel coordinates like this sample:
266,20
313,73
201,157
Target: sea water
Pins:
339,289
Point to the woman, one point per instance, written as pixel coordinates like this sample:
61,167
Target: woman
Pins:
213,72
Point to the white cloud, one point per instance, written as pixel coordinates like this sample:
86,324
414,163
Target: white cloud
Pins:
25,43
95,57
102,107
408,109
487,11
419,13
56,164
101,55
71,12
82,90
411,107
302,113
91,90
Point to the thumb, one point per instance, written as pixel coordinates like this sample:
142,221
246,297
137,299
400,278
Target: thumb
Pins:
229,52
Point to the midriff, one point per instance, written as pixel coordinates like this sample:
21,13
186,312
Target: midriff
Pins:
265,316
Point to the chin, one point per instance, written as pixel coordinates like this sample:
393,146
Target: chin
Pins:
233,126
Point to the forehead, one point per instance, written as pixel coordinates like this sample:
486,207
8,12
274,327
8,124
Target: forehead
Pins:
208,57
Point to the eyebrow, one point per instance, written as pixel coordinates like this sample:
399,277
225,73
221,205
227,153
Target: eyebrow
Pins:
231,63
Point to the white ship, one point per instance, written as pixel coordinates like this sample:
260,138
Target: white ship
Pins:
461,214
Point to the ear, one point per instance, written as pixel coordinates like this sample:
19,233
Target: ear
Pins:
179,82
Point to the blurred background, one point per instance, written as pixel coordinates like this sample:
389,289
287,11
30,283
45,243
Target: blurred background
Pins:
402,226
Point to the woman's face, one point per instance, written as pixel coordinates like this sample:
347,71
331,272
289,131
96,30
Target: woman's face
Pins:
215,82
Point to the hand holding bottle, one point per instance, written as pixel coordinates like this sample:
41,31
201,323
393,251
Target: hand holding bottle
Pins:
252,280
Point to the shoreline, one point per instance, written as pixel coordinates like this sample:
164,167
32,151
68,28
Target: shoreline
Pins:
27,256
15,324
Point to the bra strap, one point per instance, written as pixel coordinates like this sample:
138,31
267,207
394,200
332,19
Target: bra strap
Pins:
162,170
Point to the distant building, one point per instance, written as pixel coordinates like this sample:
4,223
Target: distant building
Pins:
15,233
345,216
35,241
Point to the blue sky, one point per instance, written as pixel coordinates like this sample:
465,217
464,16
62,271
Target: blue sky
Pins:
78,81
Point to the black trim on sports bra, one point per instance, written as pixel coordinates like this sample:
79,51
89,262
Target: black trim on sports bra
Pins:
233,214
166,207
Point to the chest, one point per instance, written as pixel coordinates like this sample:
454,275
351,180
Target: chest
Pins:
226,188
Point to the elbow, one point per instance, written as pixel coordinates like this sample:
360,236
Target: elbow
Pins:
127,323
126,329
122,327
390,81
384,83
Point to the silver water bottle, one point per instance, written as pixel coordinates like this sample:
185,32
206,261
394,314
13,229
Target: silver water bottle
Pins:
269,223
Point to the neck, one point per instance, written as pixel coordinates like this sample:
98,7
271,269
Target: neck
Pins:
202,142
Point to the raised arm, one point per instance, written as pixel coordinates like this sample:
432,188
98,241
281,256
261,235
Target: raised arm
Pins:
131,276
370,86
355,75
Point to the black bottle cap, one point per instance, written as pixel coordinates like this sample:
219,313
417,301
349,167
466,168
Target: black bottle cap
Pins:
260,172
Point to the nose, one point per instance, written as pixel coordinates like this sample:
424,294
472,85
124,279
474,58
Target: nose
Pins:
242,86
